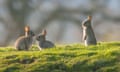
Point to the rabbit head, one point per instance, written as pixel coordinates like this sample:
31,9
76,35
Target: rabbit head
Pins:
42,36
28,32
87,22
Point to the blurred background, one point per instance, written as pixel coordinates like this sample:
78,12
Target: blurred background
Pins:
61,18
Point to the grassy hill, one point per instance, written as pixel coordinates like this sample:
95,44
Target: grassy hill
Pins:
104,57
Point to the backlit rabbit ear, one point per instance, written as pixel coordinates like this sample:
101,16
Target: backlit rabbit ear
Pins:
44,32
27,28
89,17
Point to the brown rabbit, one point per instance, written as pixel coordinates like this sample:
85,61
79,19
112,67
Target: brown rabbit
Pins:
25,42
43,43
88,33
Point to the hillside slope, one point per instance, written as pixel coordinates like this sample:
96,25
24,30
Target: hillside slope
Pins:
104,57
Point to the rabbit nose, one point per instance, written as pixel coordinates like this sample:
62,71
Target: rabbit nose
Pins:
36,37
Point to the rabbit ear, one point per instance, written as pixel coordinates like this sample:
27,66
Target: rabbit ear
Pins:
27,28
89,17
44,32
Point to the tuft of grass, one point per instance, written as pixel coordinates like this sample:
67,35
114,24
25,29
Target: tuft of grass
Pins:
104,57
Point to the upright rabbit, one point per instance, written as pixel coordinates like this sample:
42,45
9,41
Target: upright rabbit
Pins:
88,34
43,43
25,42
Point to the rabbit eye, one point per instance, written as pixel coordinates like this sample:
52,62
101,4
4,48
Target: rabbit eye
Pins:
39,37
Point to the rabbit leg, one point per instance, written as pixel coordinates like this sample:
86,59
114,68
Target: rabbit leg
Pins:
86,44
40,48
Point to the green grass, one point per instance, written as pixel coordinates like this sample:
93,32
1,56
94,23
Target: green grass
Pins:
104,57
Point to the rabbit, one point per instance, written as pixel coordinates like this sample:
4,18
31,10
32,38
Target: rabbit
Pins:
88,34
43,43
25,42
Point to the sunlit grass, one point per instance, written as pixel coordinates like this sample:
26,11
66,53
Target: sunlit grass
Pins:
105,57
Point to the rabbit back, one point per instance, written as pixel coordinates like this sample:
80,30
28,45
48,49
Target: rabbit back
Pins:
46,44
23,43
